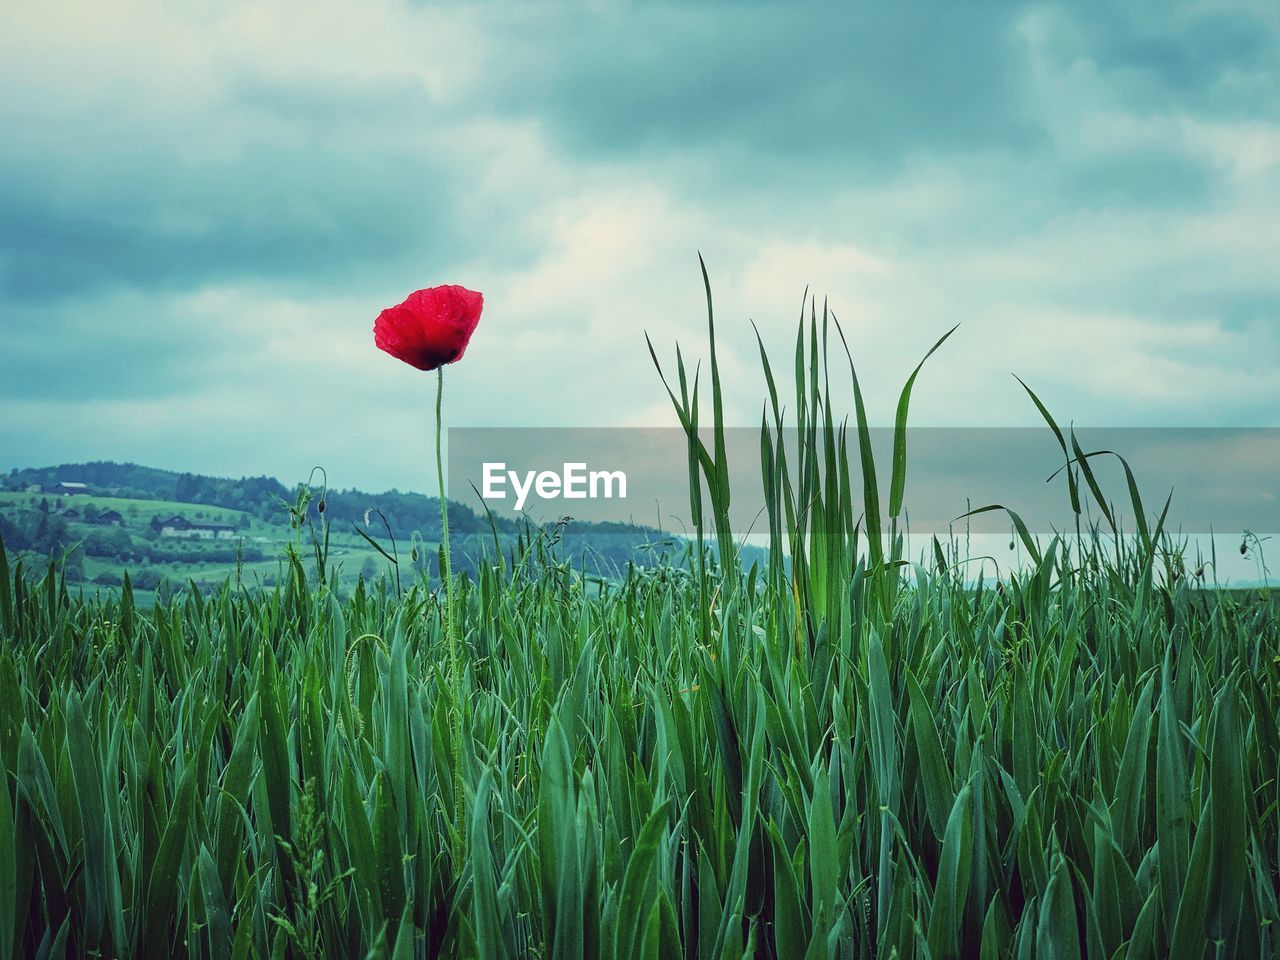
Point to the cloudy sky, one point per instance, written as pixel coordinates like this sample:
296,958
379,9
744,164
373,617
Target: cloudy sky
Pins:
201,213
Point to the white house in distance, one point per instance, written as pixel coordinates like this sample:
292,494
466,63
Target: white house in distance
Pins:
180,527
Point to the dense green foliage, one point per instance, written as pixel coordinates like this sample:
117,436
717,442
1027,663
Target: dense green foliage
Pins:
844,756
1027,767
262,497
44,532
405,526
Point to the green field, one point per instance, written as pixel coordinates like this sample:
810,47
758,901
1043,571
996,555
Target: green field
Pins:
350,554
133,510
851,754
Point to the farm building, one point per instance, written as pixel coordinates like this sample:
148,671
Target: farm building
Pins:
67,487
109,518
180,527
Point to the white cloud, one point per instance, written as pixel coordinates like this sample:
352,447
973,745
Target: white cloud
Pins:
337,118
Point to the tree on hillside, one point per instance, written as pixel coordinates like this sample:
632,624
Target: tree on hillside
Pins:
109,542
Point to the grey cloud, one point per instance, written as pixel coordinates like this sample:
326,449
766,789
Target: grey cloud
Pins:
108,347
1160,55
164,222
863,85
1152,178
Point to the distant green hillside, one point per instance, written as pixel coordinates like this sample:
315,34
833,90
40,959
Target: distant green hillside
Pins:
132,507
392,533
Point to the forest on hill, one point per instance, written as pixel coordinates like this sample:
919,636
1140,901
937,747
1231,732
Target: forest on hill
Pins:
101,519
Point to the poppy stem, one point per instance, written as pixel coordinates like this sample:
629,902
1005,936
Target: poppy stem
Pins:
450,632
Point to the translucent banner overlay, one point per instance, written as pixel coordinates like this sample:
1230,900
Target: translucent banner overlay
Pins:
1221,479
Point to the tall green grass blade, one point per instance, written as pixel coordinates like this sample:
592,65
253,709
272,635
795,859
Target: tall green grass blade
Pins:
898,482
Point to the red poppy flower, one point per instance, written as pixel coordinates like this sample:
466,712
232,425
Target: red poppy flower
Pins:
431,328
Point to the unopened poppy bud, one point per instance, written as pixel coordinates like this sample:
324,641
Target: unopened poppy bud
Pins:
320,507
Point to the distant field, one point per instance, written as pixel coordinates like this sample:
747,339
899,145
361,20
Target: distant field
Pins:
133,509
138,513
349,554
